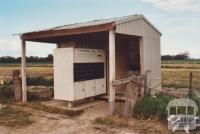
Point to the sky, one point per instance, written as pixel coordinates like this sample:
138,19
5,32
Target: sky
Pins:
178,20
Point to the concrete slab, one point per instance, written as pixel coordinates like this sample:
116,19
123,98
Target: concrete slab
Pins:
64,104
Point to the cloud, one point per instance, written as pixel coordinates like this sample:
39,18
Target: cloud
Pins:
175,5
12,46
9,46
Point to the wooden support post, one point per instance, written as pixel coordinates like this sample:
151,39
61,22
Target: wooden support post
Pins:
111,70
23,70
190,89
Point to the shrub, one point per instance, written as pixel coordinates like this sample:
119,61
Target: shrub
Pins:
32,97
197,101
6,91
39,81
148,107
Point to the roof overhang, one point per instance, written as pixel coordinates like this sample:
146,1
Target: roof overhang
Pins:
39,35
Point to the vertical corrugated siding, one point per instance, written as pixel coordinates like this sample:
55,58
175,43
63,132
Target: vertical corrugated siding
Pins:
151,44
152,59
130,27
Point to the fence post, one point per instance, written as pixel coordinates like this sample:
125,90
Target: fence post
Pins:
190,88
147,90
17,85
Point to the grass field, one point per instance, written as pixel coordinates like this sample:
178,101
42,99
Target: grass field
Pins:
174,73
181,66
179,78
31,71
181,61
30,64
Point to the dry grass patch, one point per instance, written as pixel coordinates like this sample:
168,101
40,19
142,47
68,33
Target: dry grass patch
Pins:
31,71
112,121
53,110
14,117
180,78
181,66
137,125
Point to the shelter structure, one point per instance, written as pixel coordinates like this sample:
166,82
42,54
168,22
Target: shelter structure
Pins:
130,43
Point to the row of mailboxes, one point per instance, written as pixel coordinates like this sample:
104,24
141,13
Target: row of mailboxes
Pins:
78,73
88,71
85,89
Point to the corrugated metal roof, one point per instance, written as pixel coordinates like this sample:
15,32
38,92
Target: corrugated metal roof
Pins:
117,20
97,22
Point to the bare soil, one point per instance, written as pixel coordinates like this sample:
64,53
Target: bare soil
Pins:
48,123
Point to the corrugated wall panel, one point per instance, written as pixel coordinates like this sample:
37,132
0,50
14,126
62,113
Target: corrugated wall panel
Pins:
152,60
130,28
138,27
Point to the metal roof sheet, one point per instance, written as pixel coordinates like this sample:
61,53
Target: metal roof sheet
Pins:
117,20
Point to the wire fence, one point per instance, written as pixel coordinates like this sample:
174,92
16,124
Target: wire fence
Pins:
181,83
181,79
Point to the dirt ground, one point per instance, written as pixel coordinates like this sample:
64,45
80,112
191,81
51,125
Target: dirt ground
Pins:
47,123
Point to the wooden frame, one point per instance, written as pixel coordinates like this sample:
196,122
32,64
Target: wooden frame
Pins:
32,36
111,70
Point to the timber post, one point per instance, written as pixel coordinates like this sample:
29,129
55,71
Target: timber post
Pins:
23,70
111,71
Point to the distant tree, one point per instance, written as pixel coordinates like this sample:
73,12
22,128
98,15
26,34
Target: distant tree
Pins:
49,58
180,56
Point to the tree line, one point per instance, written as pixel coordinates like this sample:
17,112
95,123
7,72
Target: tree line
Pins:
180,56
49,58
9,59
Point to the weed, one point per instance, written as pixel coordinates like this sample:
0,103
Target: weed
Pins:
149,107
112,121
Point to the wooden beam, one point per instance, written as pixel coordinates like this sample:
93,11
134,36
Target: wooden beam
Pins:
121,81
23,70
111,70
31,36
